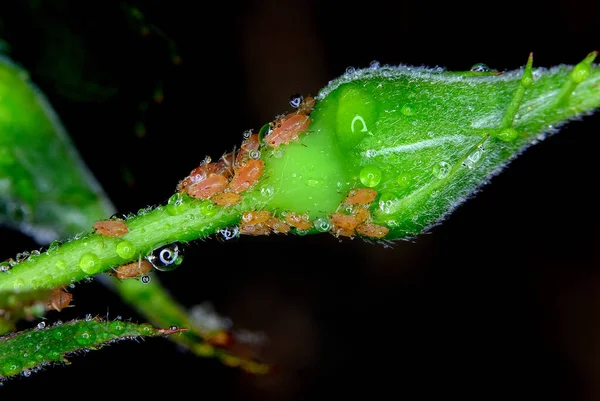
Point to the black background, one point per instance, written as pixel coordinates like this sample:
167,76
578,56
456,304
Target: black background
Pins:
501,301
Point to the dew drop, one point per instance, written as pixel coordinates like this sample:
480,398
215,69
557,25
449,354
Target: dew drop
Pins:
228,233
4,267
370,176
26,373
314,183
208,209
58,334
247,134
167,257
117,327
441,170
508,134
174,327
403,180
296,100
145,279
89,263
41,326
322,225
18,284
350,70
146,329
374,65
254,154
407,110
480,67
474,157
11,367
126,249
88,317
61,264
387,201
177,205
85,337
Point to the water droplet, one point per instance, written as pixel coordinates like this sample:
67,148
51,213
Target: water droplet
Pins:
296,100
350,70
173,328
441,170
407,110
116,327
228,234
480,67
267,191
474,157
387,201
314,183
10,367
370,176
58,334
4,267
145,279
374,64
177,205
403,180
41,326
61,264
26,373
167,257
146,329
85,337
126,249
89,263
18,284
208,209
207,159
507,134
322,225
254,154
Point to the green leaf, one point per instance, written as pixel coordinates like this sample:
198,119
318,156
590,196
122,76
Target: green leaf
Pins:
30,350
46,191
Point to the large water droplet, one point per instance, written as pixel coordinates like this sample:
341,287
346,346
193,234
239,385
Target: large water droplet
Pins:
441,170
370,176
407,110
208,209
176,204
322,225
474,157
85,337
228,233
116,328
89,263
167,257
126,249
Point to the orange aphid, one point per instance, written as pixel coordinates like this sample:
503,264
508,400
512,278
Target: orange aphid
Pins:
298,221
287,129
196,175
343,232
226,199
372,230
307,105
59,299
344,221
133,269
250,144
247,175
361,214
361,196
277,225
207,187
255,217
111,228
225,165
254,229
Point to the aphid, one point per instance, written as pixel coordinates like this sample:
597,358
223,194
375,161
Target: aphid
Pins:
361,214
166,257
225,165
372,230
344,221
298,221
133,269
247,175
254,229
111,228
249,145
252,218
226,199
59,299
207,187
307,105
287,129
362,196
277,225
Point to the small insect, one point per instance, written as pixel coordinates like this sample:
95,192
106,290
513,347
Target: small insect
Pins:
299,221
133,269
247,175
59,299
372,230
256,217
277,225
361,214
362,196
226,199
343,221
254,229
167,257
286,129
111,228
